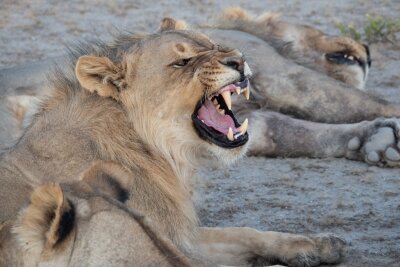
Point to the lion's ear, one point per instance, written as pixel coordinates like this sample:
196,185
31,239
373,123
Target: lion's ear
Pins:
169,24
100,75
46,222
108,178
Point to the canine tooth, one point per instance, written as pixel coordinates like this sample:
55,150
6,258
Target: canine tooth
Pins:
215,101
246,92
238,90
227,97
221,111
244,126
230,134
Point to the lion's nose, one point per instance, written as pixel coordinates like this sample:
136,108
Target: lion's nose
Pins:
236,63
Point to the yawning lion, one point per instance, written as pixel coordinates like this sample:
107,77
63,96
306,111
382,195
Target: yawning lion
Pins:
153,103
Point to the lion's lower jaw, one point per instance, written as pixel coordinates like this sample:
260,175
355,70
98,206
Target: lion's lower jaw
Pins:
228,156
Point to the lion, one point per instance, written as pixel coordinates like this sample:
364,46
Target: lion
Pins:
82,213
283,91
312,108
328,116
339,57
63,223
153,103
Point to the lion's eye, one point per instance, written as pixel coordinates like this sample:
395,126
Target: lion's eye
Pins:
181,62
341,58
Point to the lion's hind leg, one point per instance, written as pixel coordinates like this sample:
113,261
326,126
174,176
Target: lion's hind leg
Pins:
244,246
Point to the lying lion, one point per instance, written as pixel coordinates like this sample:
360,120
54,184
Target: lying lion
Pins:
331,114
152,103
80,212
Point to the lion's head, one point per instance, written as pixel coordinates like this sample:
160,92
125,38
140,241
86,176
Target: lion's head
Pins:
345,59
176,86
342,58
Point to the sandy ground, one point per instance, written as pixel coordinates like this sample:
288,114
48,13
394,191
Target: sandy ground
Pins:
351,199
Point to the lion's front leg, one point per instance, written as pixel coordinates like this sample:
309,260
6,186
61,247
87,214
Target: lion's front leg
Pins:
375,142
243,246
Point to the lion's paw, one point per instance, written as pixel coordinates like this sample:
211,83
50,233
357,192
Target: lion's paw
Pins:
316,250
380,146
330,247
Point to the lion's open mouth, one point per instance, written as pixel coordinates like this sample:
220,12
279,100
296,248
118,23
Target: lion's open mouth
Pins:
214,120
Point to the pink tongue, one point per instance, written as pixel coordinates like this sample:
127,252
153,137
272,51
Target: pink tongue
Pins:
209,114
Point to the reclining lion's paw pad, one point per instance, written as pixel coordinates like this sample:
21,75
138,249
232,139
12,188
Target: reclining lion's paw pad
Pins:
378,143
380,146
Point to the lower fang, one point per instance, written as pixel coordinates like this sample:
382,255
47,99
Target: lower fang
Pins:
244,126
230,134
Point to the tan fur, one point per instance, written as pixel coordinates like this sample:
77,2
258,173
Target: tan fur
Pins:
148,130
144,125
134,238
35,230
17,111
303,44
168,24
109,84
98,174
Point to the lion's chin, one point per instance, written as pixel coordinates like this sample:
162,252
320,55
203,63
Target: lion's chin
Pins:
227,156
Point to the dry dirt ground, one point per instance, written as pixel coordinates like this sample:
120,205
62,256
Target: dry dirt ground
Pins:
358,202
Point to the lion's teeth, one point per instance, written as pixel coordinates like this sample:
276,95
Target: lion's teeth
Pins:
246,92
244,126
230,134
221,111
238,89
237,135
227,98
215,101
